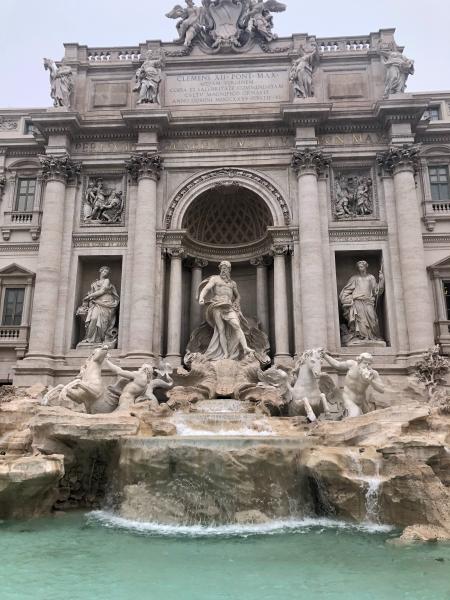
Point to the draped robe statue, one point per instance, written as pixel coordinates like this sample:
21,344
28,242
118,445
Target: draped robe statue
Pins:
359,302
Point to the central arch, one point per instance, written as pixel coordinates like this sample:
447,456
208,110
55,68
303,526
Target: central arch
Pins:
221,178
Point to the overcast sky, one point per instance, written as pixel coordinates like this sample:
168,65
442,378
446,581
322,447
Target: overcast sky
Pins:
32,29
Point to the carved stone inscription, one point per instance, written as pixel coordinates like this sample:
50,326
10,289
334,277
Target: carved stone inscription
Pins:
227,88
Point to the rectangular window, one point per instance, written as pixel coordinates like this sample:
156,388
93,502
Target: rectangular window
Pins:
13,306
26,190
439,183
433,113
446,287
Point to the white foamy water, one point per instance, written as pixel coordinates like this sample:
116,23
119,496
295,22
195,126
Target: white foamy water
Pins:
247,431
304,525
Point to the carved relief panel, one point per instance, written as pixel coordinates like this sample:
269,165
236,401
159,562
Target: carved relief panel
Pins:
103,200
353,194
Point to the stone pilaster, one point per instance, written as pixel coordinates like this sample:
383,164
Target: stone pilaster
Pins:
176,255
280,302
197,266
144,169
262,292
56,172
401,163
309,163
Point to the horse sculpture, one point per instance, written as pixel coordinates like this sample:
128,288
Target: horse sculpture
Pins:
88,388
305,396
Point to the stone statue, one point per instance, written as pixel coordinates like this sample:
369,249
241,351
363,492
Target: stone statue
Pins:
102,205
359,299
148,79
61,82
87,388
398,69
353,196
190,23
260,18
223,313
301,73
99,310
359,379
138,385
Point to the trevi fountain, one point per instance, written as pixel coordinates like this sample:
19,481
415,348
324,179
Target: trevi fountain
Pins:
224,349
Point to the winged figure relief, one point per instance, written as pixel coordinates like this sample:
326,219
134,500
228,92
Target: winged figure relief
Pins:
258,17
191,21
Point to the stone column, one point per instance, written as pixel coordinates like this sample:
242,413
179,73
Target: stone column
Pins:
402,162
280,303
262,292
308,164
145,169
175,306
198,265
56,172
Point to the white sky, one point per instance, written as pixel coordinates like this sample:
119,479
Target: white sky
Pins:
32,29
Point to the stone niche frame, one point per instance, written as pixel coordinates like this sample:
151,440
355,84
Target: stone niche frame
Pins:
259,183
87,267
121,184
344,266
360,169
440,272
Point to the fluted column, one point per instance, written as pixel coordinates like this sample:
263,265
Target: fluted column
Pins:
145,169
175,306
308,164
56,171
401,162
280,302
198,265
262,292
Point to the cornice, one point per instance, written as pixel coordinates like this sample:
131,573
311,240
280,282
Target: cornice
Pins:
19,247
100,240
358,234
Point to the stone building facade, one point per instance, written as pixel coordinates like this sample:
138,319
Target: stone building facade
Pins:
293,169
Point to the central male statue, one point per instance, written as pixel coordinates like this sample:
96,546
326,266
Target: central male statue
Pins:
220,295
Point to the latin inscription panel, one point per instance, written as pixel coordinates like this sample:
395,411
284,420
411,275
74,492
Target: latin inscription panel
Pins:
240,87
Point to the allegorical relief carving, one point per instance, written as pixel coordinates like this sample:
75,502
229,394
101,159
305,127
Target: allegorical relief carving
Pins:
353,196
227,24
302,70
7,124
398,69
148,78
103,203
61,83
99,311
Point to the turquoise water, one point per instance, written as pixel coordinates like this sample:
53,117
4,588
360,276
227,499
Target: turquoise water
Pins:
98,557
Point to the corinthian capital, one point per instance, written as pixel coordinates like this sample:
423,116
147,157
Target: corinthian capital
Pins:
59,167
406,156
176,252
144,164
310,159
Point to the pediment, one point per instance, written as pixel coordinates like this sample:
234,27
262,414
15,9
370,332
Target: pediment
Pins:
16,270
442,265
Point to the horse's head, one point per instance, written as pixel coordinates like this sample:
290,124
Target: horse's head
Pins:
100,354
313,360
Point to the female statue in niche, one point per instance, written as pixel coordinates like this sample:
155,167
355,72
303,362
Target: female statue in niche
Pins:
359,299
61,82
99,309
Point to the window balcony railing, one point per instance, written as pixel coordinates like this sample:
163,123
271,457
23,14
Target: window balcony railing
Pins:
24,220
443,335
15,337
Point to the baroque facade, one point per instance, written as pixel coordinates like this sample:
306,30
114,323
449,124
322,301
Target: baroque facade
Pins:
301,161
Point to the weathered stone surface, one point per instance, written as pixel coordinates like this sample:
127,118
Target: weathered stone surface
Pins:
29,485
163,429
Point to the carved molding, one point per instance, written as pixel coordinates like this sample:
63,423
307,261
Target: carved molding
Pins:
100,240
359,234
19,248
397,157
281,250
144,164
228,176
437,238
59,167
310,159
176,252
7,124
